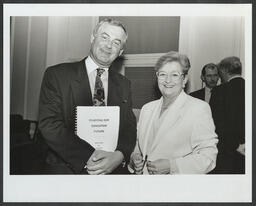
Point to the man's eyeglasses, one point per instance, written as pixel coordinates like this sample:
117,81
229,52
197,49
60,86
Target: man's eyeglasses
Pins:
115,42
175,76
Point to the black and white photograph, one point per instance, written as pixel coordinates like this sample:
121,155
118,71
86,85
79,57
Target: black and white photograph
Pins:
143,100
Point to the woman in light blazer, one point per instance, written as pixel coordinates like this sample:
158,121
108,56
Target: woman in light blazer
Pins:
175,134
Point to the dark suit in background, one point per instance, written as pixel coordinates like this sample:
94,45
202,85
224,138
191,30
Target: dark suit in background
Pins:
210,77
64,87
200,94
228,110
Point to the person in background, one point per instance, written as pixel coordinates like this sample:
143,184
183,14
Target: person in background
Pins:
228,109
89,82
175,134
210,77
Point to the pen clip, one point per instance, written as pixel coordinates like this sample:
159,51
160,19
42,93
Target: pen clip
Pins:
145,161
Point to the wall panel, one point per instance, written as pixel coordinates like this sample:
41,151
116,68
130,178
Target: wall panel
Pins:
20,40
151,34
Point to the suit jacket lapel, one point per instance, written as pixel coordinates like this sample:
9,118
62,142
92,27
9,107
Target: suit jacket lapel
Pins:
114,90
203,94
80,86
146,131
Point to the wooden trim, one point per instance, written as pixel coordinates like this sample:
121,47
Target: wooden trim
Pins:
141,60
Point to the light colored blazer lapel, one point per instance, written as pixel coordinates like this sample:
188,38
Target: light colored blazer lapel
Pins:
169,119
145,126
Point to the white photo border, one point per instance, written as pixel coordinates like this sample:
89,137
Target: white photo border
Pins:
128,188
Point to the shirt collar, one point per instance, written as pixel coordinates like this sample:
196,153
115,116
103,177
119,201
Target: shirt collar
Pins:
207,89
91,65
233,77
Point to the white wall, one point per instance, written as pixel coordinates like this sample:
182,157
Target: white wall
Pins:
19,35
210,39
68,38
36,58
29,37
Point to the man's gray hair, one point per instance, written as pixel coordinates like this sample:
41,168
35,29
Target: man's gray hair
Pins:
231,65
113,22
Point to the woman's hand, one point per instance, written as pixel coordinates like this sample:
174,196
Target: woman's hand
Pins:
136,162
160,166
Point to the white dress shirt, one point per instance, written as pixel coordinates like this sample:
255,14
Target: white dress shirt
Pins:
207,94
91,68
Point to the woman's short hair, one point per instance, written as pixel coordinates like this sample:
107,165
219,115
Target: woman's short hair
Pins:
173,56
111,22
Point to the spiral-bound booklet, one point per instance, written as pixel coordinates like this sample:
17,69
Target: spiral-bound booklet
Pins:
99,126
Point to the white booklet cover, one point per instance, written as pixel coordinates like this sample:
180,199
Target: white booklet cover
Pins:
99,126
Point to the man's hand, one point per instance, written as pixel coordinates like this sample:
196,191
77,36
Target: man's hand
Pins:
102,162
160,166
241,149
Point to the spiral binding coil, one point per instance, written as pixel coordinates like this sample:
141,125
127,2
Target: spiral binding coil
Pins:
76,120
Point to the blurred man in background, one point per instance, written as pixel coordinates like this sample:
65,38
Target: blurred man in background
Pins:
228,110
210,77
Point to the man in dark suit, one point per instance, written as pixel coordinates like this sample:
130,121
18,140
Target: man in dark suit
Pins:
210,77
68,85
228,110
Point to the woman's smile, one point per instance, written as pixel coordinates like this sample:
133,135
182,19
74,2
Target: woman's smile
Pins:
168,85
